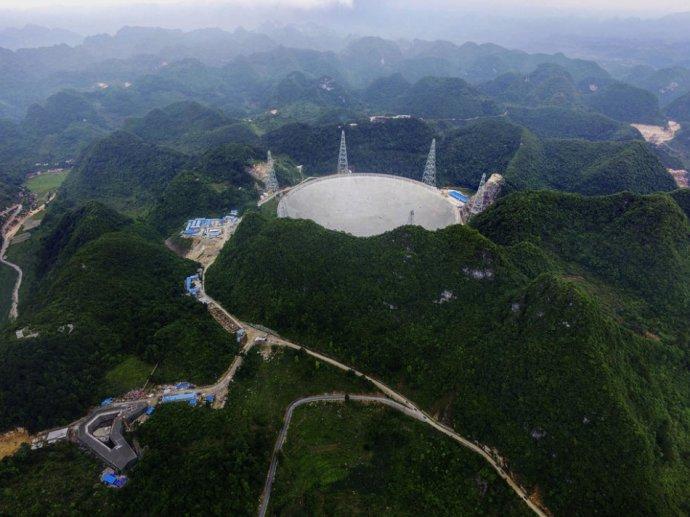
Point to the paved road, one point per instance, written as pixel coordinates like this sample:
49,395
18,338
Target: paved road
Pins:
411,409
270,477
7,234
393,399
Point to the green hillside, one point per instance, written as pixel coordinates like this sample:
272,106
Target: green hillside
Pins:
445,98
591,168
559,122
122,171
122,292
635,248
549,84
679,109
583,409
626,103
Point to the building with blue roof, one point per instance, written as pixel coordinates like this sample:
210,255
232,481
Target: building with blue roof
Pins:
458,196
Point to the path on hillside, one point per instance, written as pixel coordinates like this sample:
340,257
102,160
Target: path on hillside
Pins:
9,229
270,477
411,409
395,400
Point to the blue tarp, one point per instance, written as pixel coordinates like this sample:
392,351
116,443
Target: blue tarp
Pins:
106,402
210,398
150,410
114,480
458,195
190,398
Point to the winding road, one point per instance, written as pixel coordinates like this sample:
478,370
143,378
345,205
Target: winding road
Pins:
8,233
393,398
266,494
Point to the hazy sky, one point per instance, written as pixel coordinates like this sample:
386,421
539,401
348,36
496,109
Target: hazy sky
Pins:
588,5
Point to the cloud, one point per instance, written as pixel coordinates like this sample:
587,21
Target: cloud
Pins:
305,4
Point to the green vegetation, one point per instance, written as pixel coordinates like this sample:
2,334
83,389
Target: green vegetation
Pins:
219,456
121,291
679,110
560,122
131,373
590,168
585,410
445,98
45,184
219,182
626,103
637,246
362,460
548,84
485,146
190,127
122,171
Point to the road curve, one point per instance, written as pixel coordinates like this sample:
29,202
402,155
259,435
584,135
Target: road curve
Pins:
270,477
6,238
495,462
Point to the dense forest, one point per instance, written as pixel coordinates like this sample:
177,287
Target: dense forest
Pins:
108,304
549,377
554,327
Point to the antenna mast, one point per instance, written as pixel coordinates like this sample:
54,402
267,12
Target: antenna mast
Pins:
343,167
429,176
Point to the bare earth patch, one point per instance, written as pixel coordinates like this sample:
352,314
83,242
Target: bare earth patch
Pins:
12,440
658,134
681,177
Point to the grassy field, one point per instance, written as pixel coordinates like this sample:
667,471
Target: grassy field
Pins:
270,209
128,375
44,184
354,459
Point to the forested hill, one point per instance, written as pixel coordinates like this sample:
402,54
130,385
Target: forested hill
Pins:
523,360
108,307
400,146
635,249
591,168
123,171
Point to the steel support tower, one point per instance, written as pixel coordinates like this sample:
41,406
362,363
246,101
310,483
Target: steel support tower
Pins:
429,176
343,167
271,179
478,199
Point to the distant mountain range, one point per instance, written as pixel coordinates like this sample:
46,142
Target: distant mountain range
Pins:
31,36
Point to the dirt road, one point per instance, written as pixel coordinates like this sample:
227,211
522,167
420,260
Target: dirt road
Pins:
9,229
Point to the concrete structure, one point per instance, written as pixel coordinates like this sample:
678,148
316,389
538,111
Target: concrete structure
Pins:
57,435
113,449
368,204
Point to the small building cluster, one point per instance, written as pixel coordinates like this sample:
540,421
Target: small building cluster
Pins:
202,227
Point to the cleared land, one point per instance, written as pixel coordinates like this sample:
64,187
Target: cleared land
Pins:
368,204
658,134
42,186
